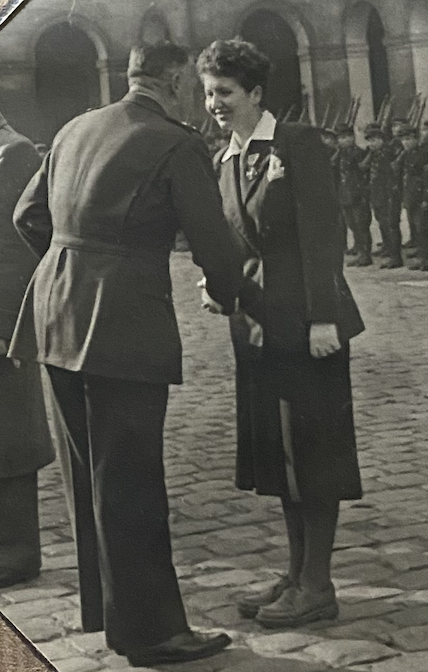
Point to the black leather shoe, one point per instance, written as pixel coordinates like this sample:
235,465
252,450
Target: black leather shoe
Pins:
181,648
249,604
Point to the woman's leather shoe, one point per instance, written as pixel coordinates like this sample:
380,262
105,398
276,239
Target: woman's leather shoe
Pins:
181,648
297,606
249,604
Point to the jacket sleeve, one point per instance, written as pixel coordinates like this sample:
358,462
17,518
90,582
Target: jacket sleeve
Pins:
32,217
198,205
319,232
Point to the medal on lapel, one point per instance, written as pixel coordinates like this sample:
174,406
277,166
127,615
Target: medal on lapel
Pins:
251,168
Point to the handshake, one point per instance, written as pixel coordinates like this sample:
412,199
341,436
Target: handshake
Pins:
207,302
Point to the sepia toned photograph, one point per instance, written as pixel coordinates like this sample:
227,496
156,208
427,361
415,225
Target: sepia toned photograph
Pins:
214,335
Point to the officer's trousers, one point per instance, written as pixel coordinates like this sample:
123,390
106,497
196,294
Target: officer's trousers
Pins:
389,229
19,529
114,466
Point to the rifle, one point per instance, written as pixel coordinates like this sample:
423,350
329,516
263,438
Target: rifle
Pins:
381,113
414,109
421,113
387,117
356,104
326,115
337,117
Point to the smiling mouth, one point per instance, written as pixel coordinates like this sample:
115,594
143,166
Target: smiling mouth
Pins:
221,115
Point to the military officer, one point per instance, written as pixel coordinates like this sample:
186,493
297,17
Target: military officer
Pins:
102,213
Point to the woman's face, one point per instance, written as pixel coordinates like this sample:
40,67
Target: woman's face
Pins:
229,103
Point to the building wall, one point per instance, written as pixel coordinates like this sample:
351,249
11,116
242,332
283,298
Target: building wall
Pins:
330,34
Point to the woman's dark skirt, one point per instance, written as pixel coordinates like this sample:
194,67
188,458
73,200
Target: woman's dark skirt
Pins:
296,435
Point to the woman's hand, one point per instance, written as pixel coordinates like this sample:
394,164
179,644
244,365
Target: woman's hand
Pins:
209,304
323,340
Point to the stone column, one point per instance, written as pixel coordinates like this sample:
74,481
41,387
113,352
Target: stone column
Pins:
360,82
117,80
401,72
330,79
419,45
103,70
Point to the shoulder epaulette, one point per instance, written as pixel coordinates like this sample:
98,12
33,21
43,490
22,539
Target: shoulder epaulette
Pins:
184,125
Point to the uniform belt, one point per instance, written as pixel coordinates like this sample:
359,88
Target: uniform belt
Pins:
102,247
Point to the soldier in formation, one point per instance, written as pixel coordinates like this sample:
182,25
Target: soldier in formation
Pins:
413,164
353,194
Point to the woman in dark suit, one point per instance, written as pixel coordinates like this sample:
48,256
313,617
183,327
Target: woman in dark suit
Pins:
291,331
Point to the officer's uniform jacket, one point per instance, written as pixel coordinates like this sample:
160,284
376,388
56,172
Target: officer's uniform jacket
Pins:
103,213
24,442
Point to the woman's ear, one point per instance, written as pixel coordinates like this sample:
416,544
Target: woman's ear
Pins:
175,82
256,95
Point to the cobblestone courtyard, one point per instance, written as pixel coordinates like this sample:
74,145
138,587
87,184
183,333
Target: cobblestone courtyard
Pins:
225,540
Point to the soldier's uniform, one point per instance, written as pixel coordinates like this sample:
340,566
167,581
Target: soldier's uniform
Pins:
382,179
414,164
354,199
396,149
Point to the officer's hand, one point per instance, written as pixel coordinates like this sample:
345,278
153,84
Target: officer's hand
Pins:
323,340
209,304
4,347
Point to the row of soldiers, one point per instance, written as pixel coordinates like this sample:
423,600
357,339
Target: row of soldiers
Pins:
391,173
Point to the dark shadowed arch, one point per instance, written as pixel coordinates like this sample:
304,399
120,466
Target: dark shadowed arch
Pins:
273,36
67,77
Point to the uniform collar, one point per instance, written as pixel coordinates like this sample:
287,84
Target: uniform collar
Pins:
146,99
264,130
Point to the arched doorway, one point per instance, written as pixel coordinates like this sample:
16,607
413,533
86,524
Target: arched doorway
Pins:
274,37
379,74
67,77
419,42
367,58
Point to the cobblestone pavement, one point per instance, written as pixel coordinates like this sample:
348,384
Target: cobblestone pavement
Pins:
225,540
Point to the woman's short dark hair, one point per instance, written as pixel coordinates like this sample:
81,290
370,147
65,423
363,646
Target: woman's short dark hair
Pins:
237,59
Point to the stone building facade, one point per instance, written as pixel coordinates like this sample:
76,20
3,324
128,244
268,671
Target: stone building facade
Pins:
59,57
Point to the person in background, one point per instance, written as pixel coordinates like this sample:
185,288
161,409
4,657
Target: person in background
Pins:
291,332
414,163
25,445
353,195
103,216
378,165
396,206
